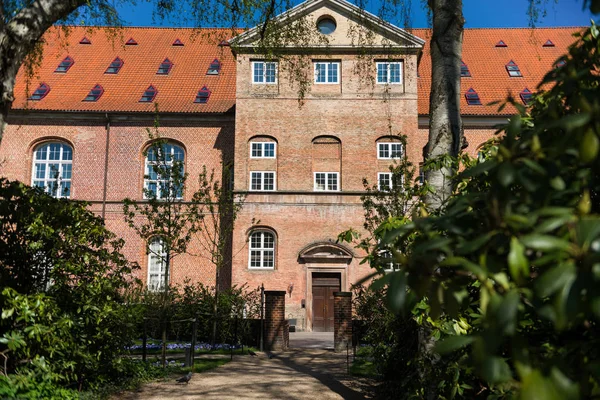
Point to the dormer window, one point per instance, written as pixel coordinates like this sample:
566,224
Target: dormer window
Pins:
560,63
177,42
40,92
131,42
114,66
464,70
149,94
472,98
501,44
94,94
526,96
64,65
202,96
165,67
85,40
548,43
214,68
513,70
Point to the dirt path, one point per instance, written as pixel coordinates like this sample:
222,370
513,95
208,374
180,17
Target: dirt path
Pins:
297,374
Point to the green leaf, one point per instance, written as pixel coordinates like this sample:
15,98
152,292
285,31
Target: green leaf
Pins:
554,279
453,343
517,261
536,387
545,242
506,174
495,370
506,314
396,294
466,264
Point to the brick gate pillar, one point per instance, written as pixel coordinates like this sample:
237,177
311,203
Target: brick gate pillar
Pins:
342,320
276,335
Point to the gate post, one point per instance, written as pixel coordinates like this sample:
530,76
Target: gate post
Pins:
275,327
342,320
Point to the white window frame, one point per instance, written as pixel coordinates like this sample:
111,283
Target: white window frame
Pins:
390,266
148,168
389,150
262,149
389,175
388,69
264,75
262,181
262,250
327,63
53,184
157,257
327,175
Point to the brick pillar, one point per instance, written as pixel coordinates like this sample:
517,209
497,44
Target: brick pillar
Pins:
275,323
342,320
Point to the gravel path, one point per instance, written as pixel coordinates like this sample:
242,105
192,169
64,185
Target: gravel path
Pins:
315,374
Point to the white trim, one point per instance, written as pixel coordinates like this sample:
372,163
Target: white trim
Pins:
262,249
389,149
400,63
262,149
389,175
262,181
264,63
162,258
47,180
148,169
338,67
337,181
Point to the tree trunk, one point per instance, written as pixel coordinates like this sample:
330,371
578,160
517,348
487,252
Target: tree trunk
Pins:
213,338
18,36
445,124
165,305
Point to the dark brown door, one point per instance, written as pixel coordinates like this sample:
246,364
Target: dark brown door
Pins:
323,287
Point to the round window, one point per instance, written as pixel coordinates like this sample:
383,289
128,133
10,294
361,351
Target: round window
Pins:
326,25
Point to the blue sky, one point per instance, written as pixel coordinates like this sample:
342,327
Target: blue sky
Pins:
478,14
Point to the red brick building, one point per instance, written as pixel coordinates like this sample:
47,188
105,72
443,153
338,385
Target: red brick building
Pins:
300,163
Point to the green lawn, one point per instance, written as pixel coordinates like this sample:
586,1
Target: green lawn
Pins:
363,363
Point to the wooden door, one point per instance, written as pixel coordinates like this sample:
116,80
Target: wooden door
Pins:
323,287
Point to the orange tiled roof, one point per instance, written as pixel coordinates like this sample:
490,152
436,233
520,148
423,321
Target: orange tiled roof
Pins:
178,89
122,91
487,64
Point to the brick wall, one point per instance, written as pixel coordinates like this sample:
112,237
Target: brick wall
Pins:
342,320
204,142
276,337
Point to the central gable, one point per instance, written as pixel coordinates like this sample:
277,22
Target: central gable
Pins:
337,24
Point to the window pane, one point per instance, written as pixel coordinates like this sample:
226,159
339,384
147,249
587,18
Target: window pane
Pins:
268,258
396,150
41,153
320,181
269,149
333,73
66,171
381,73
270,76
259,72
384,181
40,171
256,149
320,74
384,151
65,189
55,151
256,181
67,153
269,181
268,240
331,181
395,73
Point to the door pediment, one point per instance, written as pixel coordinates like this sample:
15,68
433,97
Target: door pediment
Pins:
325,252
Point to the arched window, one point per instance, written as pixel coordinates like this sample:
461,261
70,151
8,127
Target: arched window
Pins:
52,168
163,169
262,250
157,258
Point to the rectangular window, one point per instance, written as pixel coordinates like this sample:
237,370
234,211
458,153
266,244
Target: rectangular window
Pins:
327,72
389,72
262,181
264,72
326,181
387,260
389,150
262,150
384,181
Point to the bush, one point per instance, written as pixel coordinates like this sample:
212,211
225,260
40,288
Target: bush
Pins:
63,279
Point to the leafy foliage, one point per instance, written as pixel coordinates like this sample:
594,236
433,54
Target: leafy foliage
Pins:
515,253
63,320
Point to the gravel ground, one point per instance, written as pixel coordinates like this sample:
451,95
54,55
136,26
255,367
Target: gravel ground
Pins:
316,374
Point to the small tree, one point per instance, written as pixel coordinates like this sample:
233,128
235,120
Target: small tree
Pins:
219,207
163,219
